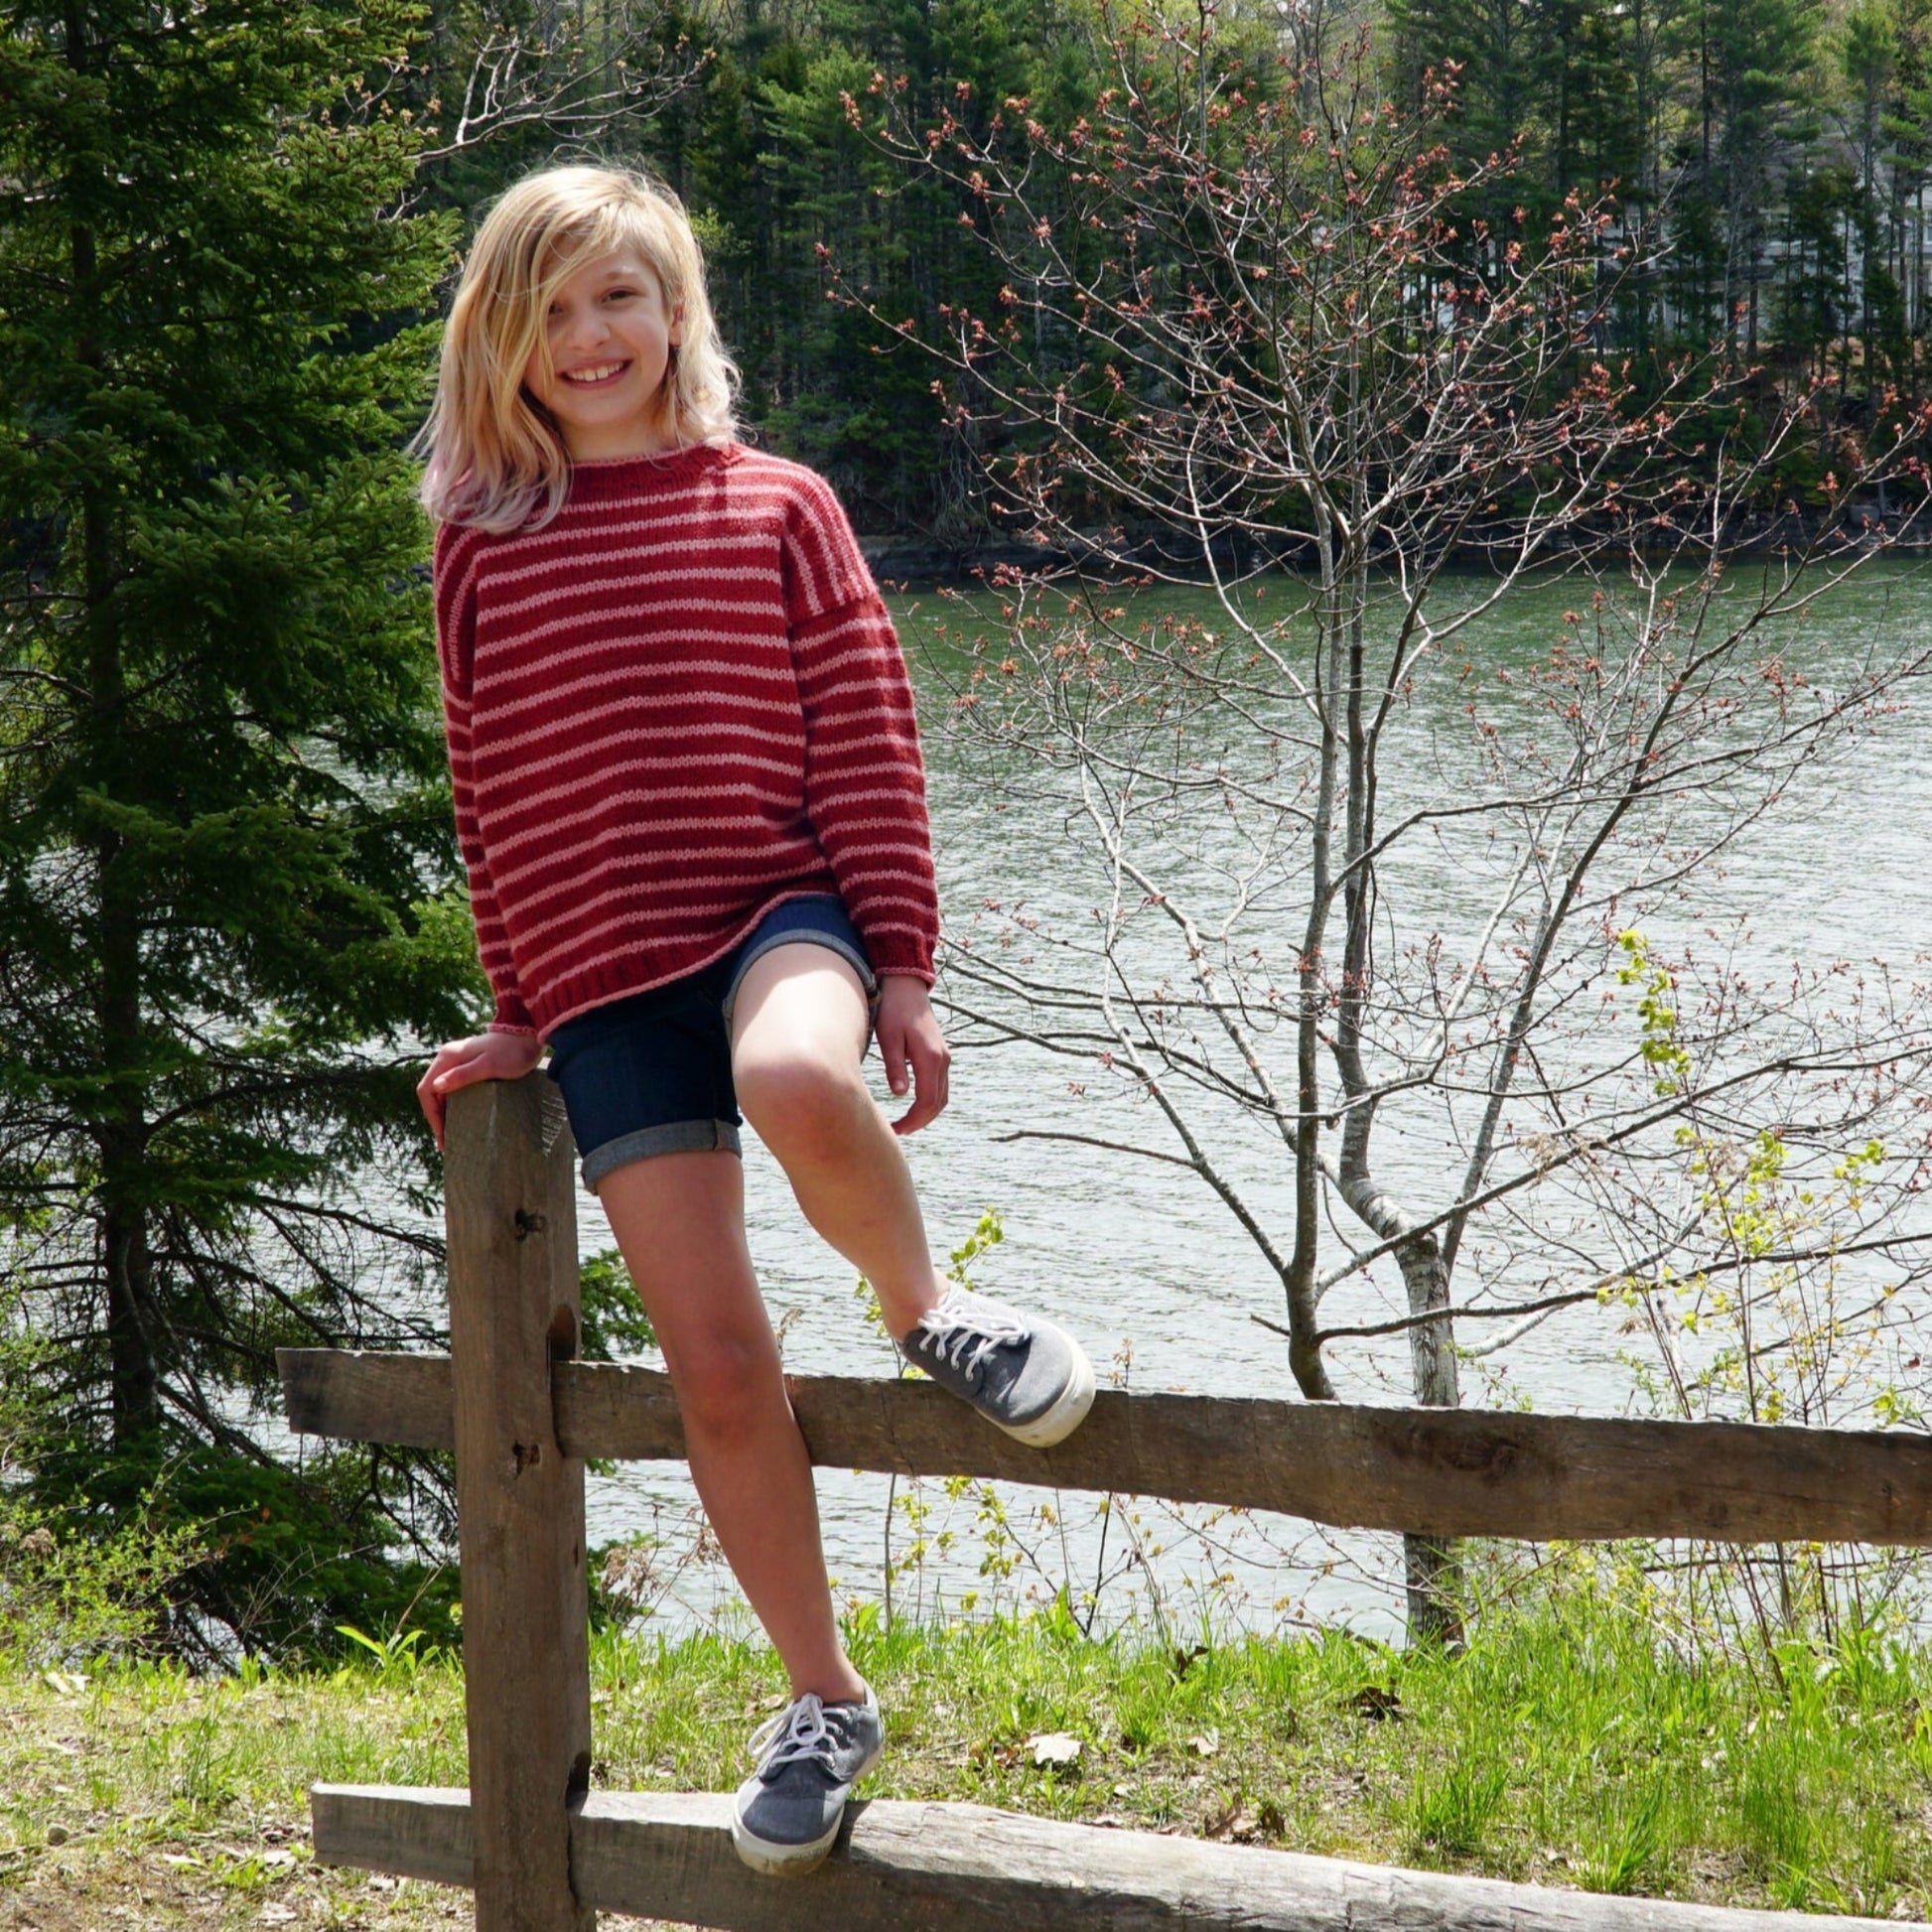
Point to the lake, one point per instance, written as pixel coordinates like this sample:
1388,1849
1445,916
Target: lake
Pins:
1143,1262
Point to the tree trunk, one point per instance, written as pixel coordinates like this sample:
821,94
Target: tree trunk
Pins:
1429,1563
121,1131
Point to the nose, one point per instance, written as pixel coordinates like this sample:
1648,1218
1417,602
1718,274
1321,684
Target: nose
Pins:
582,328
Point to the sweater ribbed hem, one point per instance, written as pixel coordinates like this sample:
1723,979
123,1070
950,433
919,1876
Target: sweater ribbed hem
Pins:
618,979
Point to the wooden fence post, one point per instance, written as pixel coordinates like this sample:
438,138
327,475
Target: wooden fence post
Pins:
512,1212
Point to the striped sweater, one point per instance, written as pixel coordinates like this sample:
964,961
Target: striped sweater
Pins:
676,705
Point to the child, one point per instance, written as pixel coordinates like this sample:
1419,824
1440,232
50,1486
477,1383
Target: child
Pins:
689,796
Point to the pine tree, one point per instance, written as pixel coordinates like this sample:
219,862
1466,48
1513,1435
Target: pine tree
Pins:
225,842
1746,62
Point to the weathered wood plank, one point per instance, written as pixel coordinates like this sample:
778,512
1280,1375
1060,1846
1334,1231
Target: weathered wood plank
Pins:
962,1869
1449,1471
510,1204
415,1831
364,1396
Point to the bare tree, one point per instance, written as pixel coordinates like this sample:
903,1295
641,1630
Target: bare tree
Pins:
575,71
1248,338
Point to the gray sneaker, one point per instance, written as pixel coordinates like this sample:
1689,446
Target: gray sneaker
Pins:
809,1756
1024,1375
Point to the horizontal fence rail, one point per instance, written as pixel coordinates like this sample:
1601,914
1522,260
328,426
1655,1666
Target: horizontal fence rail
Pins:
1442,1471
542,1853
962,1869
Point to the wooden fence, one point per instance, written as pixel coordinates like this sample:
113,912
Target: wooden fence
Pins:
543,1854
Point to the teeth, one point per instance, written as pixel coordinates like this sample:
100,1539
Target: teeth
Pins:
593,376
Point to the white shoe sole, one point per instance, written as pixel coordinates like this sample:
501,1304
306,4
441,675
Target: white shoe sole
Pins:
1057,1424
783,1860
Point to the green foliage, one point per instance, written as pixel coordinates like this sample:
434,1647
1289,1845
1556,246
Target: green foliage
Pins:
225,848
1454,1804
76,1583
614,1319
1661,1048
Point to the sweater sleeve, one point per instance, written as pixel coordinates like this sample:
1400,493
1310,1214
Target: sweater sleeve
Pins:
456,637
864,783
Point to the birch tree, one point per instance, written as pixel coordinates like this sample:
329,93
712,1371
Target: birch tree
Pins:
1248,338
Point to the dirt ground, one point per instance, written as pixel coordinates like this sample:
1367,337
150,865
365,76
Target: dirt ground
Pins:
231,1882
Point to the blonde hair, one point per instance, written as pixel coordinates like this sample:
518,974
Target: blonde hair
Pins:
495,457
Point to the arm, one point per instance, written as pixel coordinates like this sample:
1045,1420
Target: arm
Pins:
865,782
864,786
456,630
509,1048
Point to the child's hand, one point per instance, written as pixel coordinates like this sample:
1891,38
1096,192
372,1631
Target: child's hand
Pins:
462,1062
906,1030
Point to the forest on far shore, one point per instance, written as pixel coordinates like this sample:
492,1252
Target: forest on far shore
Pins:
1765,164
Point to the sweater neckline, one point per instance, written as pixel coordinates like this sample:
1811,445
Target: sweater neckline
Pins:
611,475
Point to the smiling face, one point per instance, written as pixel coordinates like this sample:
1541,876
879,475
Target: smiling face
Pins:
608,336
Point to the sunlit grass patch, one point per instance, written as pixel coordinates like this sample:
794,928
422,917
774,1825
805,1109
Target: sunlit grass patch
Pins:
1566,1744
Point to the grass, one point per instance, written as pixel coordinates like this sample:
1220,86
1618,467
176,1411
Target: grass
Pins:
1564,1745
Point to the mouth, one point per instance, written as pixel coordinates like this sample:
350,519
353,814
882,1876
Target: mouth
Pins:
594,378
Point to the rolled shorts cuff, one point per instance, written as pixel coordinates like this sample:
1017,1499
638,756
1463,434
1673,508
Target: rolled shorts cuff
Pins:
673,1137
800,937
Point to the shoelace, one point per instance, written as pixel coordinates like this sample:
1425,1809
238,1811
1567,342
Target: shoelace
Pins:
955,1334
801,1730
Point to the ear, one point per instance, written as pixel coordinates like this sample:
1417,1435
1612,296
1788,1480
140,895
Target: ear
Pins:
676,332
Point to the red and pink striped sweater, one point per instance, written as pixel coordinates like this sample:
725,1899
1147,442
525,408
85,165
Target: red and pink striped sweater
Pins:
669,709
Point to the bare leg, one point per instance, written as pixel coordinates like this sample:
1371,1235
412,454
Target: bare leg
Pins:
679,1220
798,1037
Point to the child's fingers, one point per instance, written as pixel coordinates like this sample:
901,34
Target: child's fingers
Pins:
430,1099
459,1064
891,1054
931,1083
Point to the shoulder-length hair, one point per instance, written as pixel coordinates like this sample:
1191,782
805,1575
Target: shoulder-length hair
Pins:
495,457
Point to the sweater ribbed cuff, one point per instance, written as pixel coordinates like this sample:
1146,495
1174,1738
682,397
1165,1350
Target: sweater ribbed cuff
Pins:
895,954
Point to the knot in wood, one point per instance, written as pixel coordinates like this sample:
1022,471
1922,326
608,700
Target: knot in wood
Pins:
527,1456
528,1223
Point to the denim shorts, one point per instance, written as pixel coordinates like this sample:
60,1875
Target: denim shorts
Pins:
652,1072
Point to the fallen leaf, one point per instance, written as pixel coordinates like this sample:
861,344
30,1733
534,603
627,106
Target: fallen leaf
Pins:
1220,1822
1054,1750
1006,1756
1205,1745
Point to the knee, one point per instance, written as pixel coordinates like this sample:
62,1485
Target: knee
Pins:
800,1100
723,1380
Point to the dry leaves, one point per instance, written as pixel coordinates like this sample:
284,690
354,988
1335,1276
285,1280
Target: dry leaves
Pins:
1055,1751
